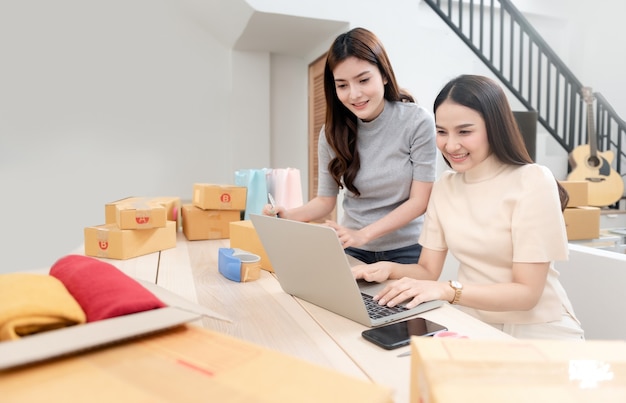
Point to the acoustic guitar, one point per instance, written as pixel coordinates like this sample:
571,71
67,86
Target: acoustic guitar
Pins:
588,164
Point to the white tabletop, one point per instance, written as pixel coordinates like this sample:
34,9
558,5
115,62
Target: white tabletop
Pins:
261,312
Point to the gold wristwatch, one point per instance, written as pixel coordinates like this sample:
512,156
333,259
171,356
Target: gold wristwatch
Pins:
458,288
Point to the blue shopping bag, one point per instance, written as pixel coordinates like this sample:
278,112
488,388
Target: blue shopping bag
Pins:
256,182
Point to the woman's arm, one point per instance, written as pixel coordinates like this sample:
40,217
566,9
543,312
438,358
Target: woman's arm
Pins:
315,209
412,208
521,294
429,268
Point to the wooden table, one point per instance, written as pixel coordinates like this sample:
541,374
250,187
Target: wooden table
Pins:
260,312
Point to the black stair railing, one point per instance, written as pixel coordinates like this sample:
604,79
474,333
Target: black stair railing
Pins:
500,35
612,132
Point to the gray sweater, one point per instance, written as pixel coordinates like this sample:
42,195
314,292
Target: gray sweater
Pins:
395,148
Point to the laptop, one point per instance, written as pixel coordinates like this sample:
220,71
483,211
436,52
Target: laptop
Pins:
310,263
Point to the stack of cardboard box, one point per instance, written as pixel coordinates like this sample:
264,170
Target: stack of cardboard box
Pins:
134,226
212,210
581,220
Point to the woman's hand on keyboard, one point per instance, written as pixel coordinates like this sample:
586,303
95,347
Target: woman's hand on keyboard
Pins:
417,291
375,272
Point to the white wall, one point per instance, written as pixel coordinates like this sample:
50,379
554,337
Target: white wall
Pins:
289,114
104,99
593,279
596,41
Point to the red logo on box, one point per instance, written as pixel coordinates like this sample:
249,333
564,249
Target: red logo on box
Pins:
225,197
104,245
142,219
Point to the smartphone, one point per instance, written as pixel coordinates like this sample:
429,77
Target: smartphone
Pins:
399,334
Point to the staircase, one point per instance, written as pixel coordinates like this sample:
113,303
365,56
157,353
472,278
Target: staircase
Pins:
513,50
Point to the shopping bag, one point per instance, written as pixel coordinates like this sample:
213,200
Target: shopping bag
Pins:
286,187
256,182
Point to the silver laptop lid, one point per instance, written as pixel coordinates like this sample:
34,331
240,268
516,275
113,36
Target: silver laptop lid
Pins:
311,264
79,338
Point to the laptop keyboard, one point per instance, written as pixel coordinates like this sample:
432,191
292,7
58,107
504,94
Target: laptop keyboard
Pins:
376,311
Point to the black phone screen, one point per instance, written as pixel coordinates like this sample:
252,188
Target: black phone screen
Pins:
399,334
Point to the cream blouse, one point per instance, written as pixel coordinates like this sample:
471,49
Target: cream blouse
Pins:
496,214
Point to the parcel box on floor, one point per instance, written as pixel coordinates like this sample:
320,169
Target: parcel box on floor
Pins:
199,224
244,236
209,196
582,222
109,241
445,370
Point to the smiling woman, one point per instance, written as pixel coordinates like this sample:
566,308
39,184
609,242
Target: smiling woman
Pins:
461,136
377,145
360,87
498,214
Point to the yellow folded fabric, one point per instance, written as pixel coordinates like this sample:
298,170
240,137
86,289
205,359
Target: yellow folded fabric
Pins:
33,303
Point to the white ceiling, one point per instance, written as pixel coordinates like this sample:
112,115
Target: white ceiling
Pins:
286,34
238,25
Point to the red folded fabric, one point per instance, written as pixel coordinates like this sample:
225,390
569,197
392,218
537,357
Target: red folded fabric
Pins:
101,289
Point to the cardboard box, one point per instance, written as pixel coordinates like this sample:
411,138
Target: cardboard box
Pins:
578,192
173,207
445,370
110,213
219,197
244,236
140,214
171,203
108,241
199,224
186,364
582,222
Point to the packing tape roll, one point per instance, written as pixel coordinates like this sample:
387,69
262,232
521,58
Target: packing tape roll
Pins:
250,265
239,265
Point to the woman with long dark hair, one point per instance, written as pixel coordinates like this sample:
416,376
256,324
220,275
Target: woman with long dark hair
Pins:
378,145
498,213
